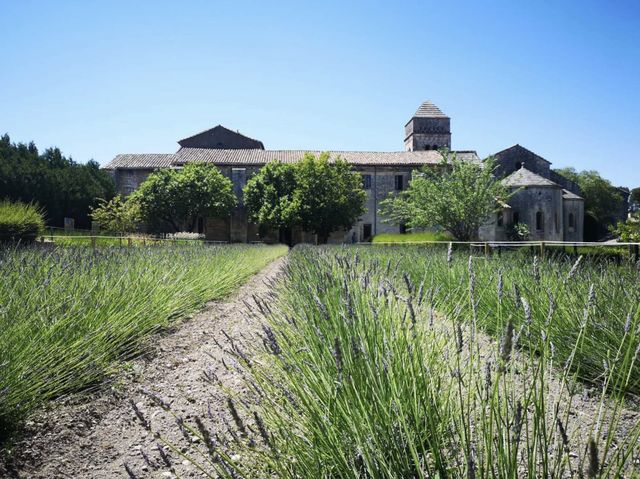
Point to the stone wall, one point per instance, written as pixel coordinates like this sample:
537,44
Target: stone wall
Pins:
383,182
427,134
512,159
127,180
565,182
576,208
527,202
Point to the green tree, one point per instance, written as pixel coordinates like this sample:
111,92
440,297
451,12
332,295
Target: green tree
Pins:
634,198
458,196
60,186
179,197
117,214
329,195
319,195
602,201
269,197
628,230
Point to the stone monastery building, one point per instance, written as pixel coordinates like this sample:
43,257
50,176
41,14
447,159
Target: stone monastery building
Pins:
549,204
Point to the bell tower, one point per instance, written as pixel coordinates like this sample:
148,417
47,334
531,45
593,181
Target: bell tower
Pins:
428,129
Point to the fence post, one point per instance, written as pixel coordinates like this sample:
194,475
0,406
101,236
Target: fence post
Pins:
129,242
486,250
93,243
541,249
636,252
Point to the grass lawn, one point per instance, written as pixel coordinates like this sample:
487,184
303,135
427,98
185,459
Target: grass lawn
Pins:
412,237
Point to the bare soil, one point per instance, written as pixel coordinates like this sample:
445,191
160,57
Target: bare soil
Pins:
99,435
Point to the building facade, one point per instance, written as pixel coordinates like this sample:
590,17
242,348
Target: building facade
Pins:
547,203
426,134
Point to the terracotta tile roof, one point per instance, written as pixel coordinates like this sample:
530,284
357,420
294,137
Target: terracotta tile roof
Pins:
261,157
141,161
524,177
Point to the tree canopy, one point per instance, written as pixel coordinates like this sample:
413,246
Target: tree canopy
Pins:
316,194
117,215
57,184
602,200
269,196
329,195
634,198
458,196
179,197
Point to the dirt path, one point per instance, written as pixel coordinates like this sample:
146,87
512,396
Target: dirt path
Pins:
96,437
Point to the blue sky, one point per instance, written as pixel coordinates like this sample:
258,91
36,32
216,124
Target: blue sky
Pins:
102,78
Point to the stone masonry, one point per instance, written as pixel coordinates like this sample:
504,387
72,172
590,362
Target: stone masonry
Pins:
548,203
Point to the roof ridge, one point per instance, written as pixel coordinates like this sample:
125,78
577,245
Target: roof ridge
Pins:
219,125
518,145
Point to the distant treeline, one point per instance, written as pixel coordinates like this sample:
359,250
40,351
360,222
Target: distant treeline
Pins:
59,185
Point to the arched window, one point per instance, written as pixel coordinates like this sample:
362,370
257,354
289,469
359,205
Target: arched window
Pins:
572,220
434,147
500,218
516,217
518,165
539,221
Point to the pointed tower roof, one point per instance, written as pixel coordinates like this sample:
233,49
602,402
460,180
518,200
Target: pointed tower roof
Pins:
429,110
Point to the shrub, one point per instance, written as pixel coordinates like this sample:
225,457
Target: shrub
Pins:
185,235
20,221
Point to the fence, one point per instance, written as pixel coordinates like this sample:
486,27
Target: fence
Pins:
111,240
488,247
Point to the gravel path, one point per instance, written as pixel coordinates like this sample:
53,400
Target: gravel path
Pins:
94,437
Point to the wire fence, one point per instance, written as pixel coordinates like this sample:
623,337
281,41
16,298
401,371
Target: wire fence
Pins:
120,240
540,247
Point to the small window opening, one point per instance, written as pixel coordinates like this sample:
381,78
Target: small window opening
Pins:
366,182
500,218
516,217
539,221
399,182
572,220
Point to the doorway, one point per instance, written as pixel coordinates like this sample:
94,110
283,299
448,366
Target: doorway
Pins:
366,232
